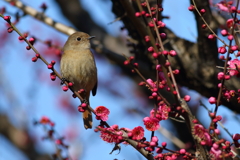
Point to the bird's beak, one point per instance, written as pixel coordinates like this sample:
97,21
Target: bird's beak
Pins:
91,37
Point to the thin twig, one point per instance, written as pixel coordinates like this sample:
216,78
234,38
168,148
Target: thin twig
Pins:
42,17
207,24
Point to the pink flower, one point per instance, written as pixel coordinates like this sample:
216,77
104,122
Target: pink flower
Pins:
229,23
222,7
154,139
151,83
138,14
212,100
161,24
191,8
102,113
151,124
110,135
164,111
202,11
233,9
172,53
236,137
207,138
44,120
161,76
232,65
234,47
230,37
211,37
220,76
137,133
182,151
151,49
147,38
201,133
224,32
215,153
222,50
155,115
158,67
199,130
163,35
187,98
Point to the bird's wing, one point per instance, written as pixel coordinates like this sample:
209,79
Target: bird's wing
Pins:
94,90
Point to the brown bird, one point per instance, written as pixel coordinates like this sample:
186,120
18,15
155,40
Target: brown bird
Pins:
78,66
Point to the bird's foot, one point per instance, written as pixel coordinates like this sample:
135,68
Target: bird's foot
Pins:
63,80
85,101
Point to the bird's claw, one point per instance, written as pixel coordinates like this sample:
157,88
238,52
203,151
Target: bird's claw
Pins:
85,101
63,80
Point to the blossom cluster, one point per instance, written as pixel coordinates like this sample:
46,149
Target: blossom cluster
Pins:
51,135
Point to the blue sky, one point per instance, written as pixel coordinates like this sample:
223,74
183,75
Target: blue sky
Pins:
31,101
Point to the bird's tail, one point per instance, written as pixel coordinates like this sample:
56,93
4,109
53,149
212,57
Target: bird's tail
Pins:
87,118
87,115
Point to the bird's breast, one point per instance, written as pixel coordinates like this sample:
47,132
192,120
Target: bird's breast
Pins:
79,69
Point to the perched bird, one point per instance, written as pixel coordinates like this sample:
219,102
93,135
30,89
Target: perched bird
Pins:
78,66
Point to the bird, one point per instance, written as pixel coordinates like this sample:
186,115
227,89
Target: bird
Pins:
78,66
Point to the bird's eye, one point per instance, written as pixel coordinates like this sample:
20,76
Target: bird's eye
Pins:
79,39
